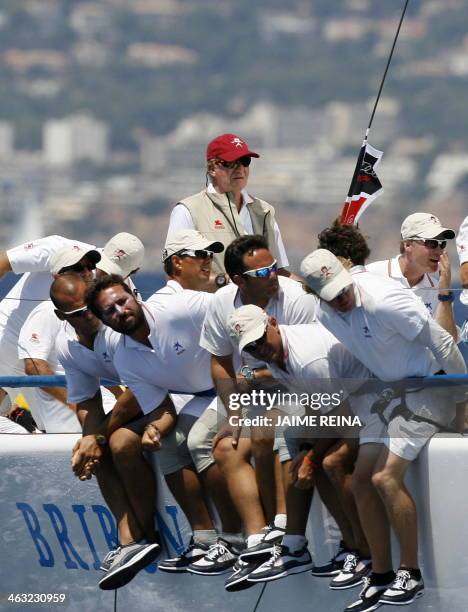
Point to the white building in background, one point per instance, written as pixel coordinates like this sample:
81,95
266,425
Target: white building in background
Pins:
75,138
7,135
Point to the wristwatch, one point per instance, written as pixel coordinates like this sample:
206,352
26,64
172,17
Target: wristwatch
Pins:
100,439
220,280
247,373
449,297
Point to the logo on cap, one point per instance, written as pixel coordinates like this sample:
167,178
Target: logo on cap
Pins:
434,219
324,272
119,253
238,329
237,141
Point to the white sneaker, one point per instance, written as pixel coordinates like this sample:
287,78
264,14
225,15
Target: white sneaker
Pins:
282,563
404,590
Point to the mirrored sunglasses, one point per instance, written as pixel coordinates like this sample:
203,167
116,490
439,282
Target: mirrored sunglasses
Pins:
244,161
263,272
432,243
197,253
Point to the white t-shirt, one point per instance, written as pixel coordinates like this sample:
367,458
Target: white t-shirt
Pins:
462,248
38,335
315,360
427,289
291,306
176,361
381,328
182,219
85,367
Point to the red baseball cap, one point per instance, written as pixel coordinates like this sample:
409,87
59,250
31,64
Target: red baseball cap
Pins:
228,147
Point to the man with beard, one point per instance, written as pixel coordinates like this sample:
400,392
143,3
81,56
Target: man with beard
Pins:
159,351
111,444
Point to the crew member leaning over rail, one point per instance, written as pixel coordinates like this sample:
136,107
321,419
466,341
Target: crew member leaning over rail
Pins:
391,332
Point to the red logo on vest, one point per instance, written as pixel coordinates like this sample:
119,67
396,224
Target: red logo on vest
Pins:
218,224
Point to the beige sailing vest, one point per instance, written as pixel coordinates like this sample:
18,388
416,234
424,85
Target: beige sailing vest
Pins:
215,216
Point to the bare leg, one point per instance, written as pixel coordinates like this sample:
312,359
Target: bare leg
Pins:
241,481
216,486
262,451
280,487
389,482
338,466
330,498
186,488
297,503
374,519
111,485
125,446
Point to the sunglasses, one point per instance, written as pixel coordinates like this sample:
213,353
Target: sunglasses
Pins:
341,293
197,253
433,243
263,272
78,312
251,347
244,161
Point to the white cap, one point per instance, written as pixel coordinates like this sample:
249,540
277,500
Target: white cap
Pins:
189,239
325,274
246,324
122,254
424,226
70,255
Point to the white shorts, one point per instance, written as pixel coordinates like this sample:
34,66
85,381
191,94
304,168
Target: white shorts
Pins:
407,438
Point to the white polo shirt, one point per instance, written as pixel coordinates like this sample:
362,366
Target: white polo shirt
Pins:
427,289
182,219
85,367
176,361
462,248
316,362
170,288
38,335
381,328
31,259
291,306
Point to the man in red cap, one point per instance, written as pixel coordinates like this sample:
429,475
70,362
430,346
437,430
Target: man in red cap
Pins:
224,210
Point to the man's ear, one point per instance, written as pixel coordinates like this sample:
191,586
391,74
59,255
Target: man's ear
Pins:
272,321
176,265
59,314
238,280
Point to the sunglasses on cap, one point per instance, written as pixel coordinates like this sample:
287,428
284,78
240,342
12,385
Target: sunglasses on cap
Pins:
432,243
197,253
262,272
251,347
242,161
74,314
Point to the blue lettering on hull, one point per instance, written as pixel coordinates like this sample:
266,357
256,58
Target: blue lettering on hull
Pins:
94,523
